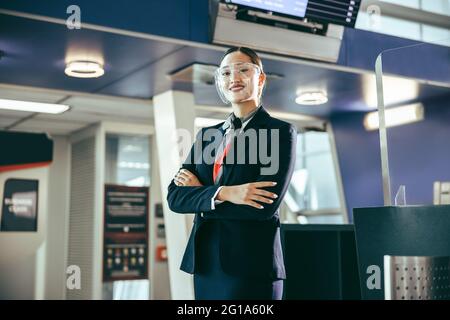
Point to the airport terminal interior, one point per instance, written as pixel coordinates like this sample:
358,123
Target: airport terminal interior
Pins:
96,96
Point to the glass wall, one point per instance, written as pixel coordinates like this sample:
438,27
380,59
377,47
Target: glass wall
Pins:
414,134
127,163
127,160
400,19
314,192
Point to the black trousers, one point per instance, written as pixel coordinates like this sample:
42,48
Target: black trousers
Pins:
212,283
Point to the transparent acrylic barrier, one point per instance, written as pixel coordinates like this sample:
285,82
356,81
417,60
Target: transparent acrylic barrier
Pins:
413,96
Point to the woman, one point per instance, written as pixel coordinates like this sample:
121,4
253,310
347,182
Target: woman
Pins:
234,250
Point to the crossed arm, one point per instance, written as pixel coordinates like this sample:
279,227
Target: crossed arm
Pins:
195,197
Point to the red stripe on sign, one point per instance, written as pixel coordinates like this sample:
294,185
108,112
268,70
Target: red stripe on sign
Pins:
23,166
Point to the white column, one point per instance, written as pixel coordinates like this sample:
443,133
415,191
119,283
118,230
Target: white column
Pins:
159,271
174,110
58,220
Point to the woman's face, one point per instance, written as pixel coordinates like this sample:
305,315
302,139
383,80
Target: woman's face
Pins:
240,78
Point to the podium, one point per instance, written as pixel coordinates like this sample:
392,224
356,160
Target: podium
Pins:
398,231
320,262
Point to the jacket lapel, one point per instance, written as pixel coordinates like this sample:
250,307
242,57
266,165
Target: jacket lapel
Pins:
207,168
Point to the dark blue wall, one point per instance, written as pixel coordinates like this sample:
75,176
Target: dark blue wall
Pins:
419,154
181,19
358,153
360,48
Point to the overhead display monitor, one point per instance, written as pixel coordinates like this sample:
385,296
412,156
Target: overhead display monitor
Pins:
341,12
290,7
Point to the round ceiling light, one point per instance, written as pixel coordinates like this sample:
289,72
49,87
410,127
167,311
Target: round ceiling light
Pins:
311,98
84,69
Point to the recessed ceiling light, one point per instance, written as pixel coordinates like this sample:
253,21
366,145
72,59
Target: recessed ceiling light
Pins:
311,98
395,116
29,106
84,69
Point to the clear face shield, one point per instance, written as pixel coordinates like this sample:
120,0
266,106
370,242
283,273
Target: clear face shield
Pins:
237,81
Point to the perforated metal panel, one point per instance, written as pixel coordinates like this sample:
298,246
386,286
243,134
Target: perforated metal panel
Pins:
416,278
81,229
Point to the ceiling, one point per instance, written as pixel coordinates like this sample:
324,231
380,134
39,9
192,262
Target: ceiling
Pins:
85,109
138,67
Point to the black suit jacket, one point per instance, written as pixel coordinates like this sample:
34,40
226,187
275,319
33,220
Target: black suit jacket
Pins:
249,238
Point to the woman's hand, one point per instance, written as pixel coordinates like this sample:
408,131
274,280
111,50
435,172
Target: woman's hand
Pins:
248,193
185,178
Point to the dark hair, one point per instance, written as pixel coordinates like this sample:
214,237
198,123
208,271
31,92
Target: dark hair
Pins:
247,51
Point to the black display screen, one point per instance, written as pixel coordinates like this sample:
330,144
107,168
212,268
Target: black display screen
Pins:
125,243
126,208
290,7
20,205
341,12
